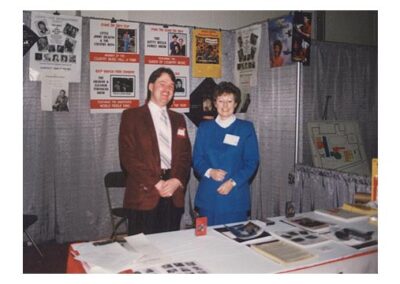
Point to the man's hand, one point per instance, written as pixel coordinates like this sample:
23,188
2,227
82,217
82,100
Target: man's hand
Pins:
159,184
168,187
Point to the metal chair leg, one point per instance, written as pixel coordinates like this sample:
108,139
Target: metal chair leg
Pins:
34,244
117,226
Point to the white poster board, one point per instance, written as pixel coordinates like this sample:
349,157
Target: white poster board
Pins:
57,53
114,66
167,47
337,145
246,57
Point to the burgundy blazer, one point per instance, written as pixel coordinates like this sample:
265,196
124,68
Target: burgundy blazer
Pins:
140,157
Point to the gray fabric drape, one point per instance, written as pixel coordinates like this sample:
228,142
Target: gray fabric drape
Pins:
349,74
66,155
273,112
321,188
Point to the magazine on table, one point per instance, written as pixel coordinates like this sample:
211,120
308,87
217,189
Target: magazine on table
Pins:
341,214
281,252
309,224
243,232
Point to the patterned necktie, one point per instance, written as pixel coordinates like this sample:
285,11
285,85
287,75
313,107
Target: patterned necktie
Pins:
164,141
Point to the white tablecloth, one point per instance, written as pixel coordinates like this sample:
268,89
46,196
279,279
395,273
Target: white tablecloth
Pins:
219,254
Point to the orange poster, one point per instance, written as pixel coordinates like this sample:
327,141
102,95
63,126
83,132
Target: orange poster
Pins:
207,53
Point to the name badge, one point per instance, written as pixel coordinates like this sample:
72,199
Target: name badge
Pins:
181,132
231,139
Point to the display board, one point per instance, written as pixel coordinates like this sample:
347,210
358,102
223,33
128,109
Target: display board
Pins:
338,145
114,66
166,47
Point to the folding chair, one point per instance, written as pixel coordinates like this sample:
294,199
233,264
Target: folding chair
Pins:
28,221
118,214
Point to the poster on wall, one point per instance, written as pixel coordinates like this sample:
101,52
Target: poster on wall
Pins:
280,41
246,62
338,145
57,53
207,53
55,95
301,44
114,66
167,47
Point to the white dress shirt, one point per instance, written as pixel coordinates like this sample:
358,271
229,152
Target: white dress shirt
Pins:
155,112
226,122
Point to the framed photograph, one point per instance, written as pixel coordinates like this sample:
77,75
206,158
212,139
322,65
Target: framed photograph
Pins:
126,40
69,45
70,30
122,86
180,87
43,43
177,44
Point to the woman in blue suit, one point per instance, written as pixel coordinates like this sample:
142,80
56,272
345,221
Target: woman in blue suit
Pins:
225,156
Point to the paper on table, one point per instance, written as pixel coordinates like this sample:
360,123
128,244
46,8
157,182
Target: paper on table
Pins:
150,253
112,258
141,244
82,247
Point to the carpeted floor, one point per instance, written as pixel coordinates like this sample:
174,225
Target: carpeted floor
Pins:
54,258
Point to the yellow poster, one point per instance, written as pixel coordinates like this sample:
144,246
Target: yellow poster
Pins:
207,53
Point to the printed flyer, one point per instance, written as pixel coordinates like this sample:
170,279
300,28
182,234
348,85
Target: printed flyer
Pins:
207,53
301,44
55,95
167,46
114,66
246,58
280,41
57,53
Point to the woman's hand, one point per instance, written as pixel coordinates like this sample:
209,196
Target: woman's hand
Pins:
217,174
225,188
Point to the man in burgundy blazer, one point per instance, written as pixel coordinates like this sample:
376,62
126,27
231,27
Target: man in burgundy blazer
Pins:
154,195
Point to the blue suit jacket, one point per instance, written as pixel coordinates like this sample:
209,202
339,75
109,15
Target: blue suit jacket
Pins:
239,161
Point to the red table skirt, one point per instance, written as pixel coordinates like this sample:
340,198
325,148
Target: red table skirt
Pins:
73,265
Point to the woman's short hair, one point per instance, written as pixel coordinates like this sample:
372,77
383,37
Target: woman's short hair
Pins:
228,88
